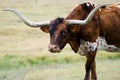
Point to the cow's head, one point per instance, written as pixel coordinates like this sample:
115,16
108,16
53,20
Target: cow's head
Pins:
58,28
59,34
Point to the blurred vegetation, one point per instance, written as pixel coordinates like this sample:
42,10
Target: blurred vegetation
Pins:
9,61
29,67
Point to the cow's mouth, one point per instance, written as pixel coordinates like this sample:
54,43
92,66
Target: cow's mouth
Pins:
53,51
54,48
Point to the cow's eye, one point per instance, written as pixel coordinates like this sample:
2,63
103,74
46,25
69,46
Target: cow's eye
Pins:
64,33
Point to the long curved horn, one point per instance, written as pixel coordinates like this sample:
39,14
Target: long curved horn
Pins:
28,22
87,20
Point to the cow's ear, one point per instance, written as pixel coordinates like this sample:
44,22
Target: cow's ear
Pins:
45,29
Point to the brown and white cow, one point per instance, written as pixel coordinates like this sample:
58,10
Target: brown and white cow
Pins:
83,26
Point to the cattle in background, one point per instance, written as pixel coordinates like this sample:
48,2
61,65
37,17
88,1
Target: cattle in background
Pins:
85,24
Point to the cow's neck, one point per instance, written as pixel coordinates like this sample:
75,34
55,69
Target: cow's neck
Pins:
74,42
74,45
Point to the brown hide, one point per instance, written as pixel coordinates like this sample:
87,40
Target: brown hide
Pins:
109,19
88,32
105,23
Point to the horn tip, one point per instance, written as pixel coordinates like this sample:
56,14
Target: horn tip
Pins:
7,9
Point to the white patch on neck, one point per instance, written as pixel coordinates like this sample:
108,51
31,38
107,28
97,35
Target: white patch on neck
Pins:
86,47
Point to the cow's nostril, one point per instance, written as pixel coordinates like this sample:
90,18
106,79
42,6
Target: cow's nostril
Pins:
50,48
53,48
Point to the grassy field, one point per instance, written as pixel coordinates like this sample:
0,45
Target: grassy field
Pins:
23,50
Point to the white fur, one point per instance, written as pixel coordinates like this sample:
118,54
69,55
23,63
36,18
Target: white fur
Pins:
118,6
92,4
88,4
86,47
100,44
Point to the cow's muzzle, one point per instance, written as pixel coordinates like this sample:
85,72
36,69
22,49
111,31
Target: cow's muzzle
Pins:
53,48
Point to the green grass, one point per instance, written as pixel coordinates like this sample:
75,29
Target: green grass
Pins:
23,50
9,61
61,67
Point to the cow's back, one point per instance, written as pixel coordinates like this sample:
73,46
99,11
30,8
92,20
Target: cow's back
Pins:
110,24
